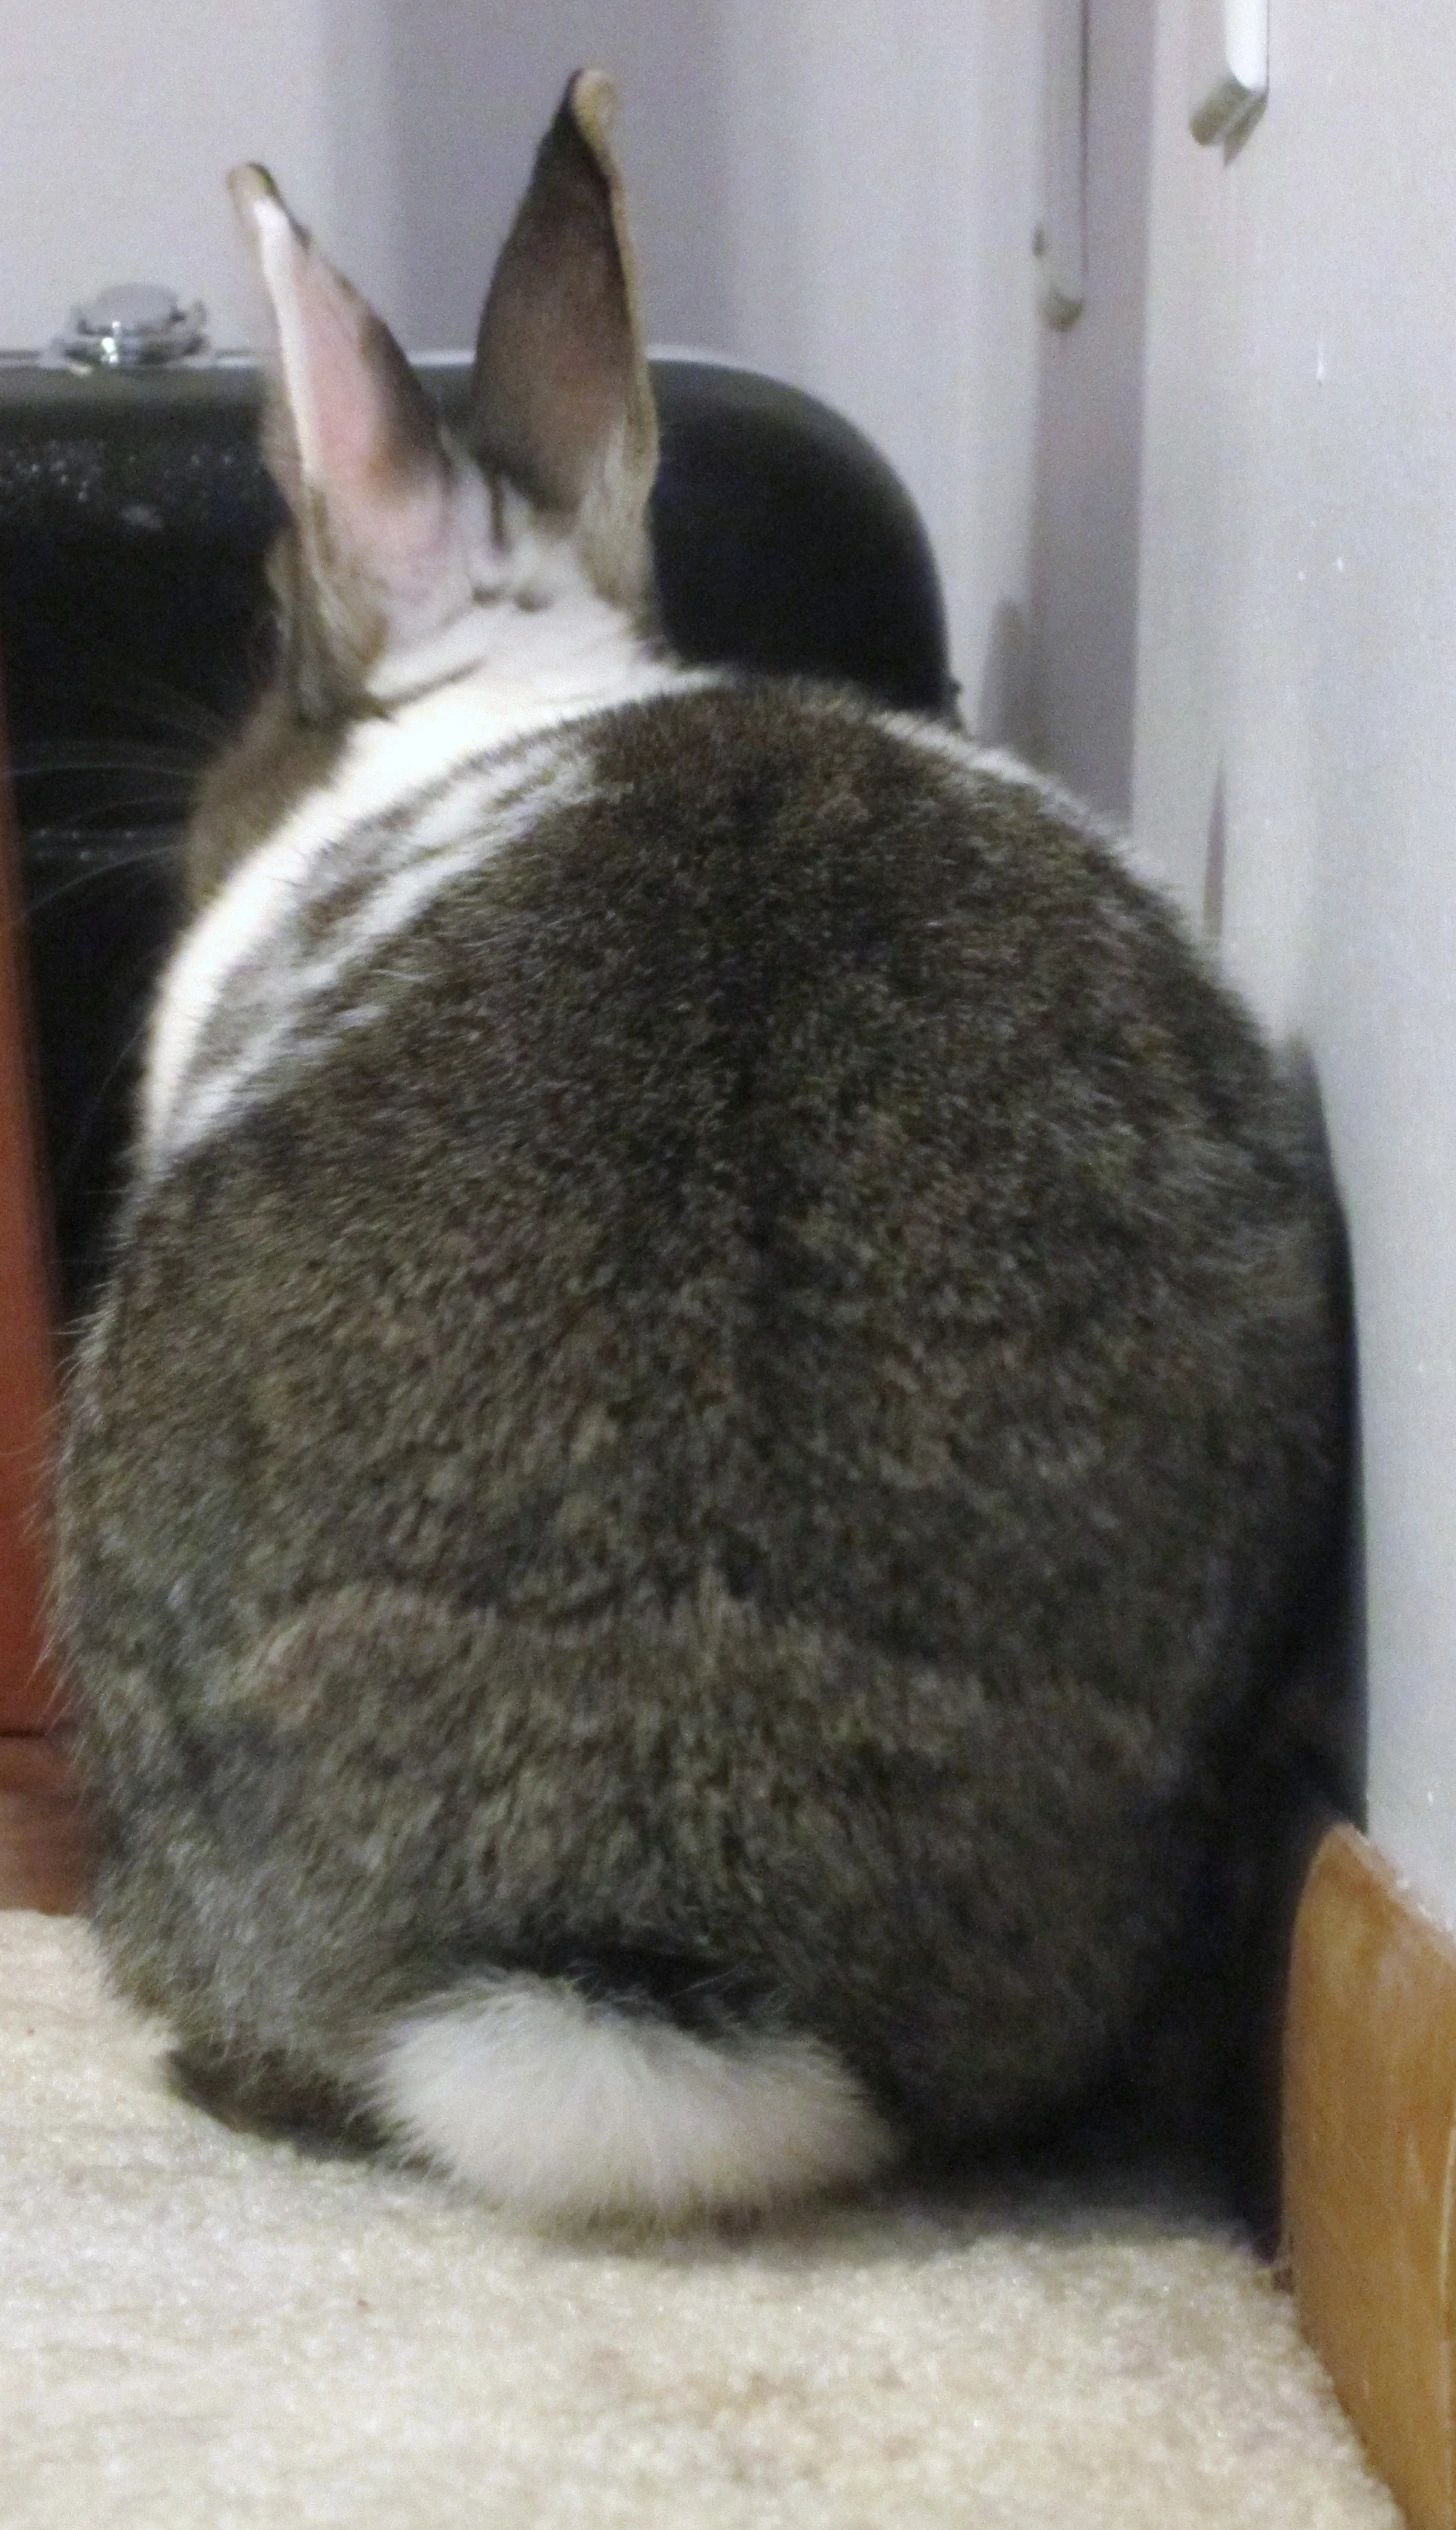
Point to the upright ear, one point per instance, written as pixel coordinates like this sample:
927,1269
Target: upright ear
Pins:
381,513
561,401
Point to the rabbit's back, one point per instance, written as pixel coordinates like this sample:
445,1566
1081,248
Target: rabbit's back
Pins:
796,1239
839,1176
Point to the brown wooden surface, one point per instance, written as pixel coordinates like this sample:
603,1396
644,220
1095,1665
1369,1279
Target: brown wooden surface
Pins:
42,1856
26,1384
1369,2131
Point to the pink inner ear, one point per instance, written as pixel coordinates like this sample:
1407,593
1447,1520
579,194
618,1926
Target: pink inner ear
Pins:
391,511
335,394
385,492
350,448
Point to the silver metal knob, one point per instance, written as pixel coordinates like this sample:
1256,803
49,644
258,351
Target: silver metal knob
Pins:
134,326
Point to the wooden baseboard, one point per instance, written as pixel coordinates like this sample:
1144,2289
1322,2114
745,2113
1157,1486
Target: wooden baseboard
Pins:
42,1855
1370,2162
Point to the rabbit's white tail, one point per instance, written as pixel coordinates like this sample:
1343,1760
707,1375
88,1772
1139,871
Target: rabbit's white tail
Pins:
569,2109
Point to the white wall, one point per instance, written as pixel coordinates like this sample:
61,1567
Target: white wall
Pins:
401,129
879,207
767,151
1297,661
118,119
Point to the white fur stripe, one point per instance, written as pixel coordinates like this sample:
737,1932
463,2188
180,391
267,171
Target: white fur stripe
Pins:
470,705
239,997
568,2110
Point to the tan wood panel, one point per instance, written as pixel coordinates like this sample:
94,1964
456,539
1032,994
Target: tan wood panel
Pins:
1369,2137
42,1845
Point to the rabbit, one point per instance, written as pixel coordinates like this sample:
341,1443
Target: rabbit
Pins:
722,1382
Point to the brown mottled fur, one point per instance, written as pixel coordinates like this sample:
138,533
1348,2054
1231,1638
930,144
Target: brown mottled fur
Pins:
776,1413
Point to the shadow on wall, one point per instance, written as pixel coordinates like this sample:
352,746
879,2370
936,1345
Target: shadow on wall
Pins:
462,89
1004,714
1215,865
1080,678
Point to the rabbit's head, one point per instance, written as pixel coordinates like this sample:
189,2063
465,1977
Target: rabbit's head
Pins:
409,557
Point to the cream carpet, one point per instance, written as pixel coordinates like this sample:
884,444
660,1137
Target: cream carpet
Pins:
200,2329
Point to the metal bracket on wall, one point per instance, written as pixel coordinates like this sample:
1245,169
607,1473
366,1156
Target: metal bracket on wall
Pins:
1228,69
1060,241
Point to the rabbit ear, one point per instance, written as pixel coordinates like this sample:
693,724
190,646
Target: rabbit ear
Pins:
382,554
561,401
